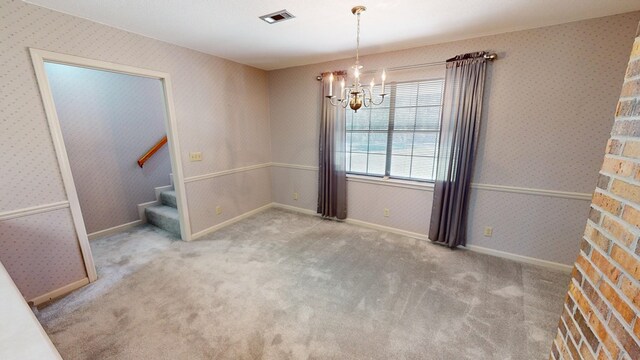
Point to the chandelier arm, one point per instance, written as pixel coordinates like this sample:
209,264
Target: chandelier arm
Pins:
381,100
332,100
347,93
366,100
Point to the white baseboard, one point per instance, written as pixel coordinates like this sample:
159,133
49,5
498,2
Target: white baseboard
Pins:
141,214
294,208
520,258
229,222
478,249
58,292
387,229
115,229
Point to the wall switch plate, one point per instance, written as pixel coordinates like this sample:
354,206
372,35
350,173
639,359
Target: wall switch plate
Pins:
218,210
386,212
488,231
195,156
295,196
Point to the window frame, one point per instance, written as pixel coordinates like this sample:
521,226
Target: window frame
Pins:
390,131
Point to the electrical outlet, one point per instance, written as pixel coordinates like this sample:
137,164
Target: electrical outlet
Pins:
218,210
386,212
488,231
195,156
295,196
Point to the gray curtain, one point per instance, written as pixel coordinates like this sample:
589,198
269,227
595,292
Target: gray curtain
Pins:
332,179
462,109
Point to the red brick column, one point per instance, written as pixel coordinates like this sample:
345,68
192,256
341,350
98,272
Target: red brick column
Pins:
601,317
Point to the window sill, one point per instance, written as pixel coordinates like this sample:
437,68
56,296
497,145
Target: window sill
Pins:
407,184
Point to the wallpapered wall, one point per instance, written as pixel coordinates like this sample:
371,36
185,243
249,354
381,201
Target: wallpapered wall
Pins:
108,121
221,107
547,105
238,116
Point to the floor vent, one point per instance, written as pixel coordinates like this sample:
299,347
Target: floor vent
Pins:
277,16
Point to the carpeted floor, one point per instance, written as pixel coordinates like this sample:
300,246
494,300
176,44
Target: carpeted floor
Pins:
281,285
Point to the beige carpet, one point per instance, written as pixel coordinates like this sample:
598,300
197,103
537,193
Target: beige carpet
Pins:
281,285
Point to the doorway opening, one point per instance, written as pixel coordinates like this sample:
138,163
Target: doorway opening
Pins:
109,124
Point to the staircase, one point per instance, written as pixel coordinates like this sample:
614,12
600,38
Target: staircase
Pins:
165,214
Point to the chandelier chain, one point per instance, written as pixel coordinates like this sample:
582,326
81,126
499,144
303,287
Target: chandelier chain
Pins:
358,41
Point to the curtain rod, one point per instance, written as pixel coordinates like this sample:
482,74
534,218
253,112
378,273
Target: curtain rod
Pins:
490,57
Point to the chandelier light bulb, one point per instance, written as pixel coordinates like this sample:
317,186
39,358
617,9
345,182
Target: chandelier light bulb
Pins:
384,77
331,85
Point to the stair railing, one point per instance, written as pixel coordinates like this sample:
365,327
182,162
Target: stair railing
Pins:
143,159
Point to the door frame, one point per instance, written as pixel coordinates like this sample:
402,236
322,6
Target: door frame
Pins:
39,57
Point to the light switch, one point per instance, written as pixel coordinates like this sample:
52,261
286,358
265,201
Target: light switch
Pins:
195,156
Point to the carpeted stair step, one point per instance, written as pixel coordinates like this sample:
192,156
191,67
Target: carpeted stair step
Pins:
164,217
168,198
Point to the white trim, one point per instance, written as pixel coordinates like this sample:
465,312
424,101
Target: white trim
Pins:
141,209
429,187
520,258
295,166
177,175
58,292
294,208
38,57
387,229
225,172
230,221
406,184
12,214
115,229
474,248
531,191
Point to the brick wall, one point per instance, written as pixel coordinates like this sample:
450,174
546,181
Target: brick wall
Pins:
601,317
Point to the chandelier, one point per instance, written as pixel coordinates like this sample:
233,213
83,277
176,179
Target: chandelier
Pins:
356,95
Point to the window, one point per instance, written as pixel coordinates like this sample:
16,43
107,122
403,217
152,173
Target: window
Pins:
398,138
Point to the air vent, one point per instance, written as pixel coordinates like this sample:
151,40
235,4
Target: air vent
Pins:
277,16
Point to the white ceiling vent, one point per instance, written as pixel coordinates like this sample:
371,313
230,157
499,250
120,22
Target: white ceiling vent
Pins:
277,16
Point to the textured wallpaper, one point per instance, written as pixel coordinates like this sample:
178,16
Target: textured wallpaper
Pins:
234,194
548,111
222,110
549,103
40,252
108,121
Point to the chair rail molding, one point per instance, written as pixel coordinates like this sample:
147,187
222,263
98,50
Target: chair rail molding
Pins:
33,210
429,186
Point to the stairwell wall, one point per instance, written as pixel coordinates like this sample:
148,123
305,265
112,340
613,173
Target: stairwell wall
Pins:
38,244
108,121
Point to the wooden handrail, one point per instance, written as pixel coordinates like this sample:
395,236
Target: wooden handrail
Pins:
143,159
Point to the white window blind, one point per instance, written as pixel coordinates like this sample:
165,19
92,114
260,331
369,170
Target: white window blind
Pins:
399,138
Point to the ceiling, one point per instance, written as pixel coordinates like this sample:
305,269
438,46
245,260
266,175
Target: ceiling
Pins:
325,30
